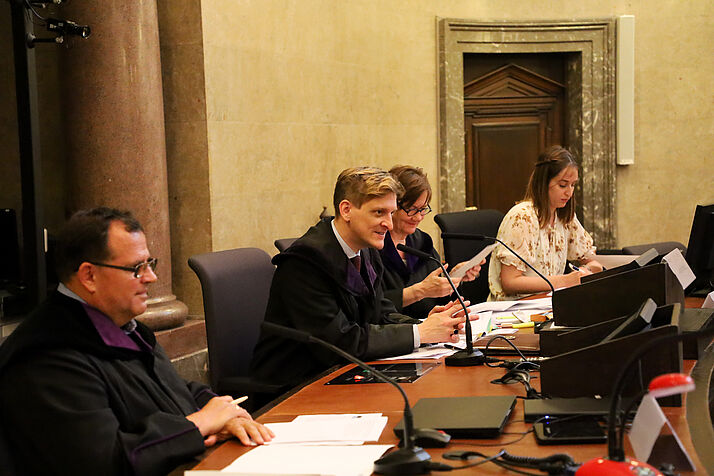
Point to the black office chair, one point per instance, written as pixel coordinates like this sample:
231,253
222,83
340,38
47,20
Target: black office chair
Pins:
482,222
235,285
283,244
663,248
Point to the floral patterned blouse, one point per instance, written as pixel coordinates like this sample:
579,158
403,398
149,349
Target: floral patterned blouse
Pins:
547,249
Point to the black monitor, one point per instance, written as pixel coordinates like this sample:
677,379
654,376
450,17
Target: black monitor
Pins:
9,249
700,250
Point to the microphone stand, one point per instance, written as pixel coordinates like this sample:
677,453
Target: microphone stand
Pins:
470,236
615,446
463,358
409,459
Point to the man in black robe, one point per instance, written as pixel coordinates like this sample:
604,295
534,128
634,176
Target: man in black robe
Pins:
85,388
328,283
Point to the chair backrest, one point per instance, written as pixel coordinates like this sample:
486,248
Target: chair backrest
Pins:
483,222
236,285
283,244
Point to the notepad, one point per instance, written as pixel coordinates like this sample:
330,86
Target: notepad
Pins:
459,273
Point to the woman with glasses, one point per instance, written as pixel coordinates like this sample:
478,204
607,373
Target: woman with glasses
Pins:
414,284
544,230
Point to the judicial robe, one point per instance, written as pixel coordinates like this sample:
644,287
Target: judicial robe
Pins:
317,290
71,404
399,275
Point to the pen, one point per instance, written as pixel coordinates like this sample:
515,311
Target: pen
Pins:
240,400
573,267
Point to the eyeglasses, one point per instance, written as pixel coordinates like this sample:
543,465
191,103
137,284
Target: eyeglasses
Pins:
138,270
413,211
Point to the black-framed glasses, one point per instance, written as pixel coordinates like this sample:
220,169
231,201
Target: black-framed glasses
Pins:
138,270
413,211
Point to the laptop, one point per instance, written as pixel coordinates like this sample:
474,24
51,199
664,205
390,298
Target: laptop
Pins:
564,407
462,417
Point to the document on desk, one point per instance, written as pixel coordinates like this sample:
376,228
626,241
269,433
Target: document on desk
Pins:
679,267
307,460
708,301
332,429
432,353
542,304
459,273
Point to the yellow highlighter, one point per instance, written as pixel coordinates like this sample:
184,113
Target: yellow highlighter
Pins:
523,325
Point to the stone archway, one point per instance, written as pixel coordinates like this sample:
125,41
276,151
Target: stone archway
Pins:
590,79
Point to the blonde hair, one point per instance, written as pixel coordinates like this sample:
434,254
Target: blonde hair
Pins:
360,184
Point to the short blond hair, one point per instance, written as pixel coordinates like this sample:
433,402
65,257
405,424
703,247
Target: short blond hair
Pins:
360,184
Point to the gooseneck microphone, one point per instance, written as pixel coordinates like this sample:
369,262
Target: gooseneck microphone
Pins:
463,358
471,236
409,459
616,462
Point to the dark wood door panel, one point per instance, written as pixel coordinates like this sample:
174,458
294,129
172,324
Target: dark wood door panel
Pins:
500,153
511,115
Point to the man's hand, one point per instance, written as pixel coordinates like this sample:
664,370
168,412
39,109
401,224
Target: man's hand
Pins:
215,414
248,432
442,324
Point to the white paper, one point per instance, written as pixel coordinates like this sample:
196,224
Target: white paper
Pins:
459,273
340,428
432,353
646,427
709,301
372,424
308,460
679,267
542,304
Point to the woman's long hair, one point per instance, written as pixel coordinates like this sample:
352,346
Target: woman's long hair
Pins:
550,163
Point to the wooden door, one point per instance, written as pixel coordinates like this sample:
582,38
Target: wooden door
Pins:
510,116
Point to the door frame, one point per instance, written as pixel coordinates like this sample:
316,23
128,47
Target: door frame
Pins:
590,107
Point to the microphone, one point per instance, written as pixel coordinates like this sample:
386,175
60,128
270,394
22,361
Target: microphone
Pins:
463,358
471,236
409,459
616,462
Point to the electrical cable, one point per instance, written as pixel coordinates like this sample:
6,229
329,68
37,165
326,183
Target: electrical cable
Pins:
485,350
503,459
487,459
29,7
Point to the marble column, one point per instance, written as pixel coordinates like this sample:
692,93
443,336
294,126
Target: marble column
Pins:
114,126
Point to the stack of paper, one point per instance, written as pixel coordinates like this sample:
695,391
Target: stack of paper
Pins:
308,460
341,429
433,352
315,445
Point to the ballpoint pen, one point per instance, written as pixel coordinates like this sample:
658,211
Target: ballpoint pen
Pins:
240,400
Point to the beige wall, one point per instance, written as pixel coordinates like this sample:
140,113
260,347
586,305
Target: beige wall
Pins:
292,92
296,91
